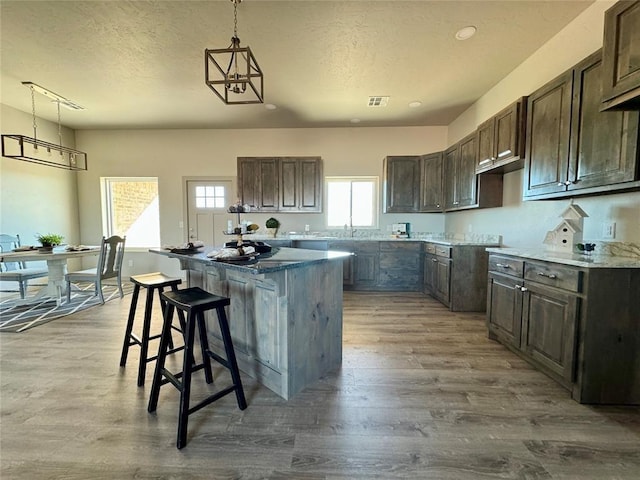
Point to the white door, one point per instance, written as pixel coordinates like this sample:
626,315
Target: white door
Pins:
207,203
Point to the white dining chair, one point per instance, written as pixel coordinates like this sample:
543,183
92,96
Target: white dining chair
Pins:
17,271
109,266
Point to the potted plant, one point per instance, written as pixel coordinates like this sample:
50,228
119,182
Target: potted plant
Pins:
49,241
272,225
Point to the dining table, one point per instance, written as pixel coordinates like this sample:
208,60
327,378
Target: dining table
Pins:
56,266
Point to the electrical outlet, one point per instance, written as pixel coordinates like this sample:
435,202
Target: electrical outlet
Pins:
609,230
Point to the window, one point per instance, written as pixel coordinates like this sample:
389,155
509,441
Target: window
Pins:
130,207
352,202
210,196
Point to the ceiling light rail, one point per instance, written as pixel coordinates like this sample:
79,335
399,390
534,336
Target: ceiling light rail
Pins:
33,150
233,73
37,151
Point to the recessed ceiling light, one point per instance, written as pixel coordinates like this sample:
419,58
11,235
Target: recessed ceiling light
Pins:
415,104
270,106
466,32
355,120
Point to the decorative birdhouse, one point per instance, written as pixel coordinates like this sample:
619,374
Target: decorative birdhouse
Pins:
568,233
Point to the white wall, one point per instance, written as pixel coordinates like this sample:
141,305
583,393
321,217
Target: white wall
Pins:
172,155
526,223
36,198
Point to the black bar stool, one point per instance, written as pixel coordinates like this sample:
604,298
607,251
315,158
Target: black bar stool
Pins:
152,282
195,302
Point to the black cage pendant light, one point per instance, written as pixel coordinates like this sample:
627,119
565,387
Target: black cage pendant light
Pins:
233,73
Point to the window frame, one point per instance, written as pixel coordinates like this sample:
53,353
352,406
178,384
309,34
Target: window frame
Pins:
375,200
107,207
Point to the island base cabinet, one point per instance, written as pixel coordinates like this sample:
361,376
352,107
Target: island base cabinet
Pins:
286,326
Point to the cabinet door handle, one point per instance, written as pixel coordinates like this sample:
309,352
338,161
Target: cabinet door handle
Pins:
521,288
548,275
505,153
434,260
486,160
503,265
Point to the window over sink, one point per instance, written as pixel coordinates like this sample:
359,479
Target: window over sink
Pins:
352,202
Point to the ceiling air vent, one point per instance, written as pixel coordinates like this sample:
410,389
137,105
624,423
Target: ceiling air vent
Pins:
378,101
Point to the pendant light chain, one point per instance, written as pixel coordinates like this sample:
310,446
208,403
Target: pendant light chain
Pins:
33,112
235,18
59,128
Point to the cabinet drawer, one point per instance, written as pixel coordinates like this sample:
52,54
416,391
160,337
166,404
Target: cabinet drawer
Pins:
366,247
507,265
443,251
555,275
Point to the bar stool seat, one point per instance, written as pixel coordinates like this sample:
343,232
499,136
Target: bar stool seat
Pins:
194,301
152,282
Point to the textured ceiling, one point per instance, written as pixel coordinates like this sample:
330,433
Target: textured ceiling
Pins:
140,64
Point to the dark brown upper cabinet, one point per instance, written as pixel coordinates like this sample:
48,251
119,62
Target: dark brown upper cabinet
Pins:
287,184
402,184
571,147
431,198
462,187
500,140
413,183
300,184
621,57
258,182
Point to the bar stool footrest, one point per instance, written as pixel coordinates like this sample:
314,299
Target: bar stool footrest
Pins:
212,398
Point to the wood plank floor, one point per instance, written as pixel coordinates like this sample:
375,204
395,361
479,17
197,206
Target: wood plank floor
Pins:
422,394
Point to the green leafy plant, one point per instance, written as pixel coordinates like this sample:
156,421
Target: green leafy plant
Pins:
272,223
50,239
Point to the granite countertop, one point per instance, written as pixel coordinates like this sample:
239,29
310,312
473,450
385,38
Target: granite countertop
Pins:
439,241
577,260
278,259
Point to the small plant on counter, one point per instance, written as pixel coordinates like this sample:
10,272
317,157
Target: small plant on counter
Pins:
50,239
272,223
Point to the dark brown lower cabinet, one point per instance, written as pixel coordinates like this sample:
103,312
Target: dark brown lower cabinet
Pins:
549,319
579,325
347,263
456,275
504,308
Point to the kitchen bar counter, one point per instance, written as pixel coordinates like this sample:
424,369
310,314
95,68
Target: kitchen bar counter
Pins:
285,314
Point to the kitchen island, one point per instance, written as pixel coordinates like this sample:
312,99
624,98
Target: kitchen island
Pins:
285,314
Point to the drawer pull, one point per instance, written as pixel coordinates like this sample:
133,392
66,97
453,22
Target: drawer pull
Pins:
503,265
434,260
548,275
